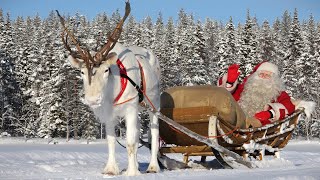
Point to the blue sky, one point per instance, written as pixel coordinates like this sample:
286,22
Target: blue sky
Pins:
215,9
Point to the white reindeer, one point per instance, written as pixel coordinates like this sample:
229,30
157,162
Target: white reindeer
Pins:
106,93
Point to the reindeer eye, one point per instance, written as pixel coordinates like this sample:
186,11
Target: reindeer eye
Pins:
82,72
106,70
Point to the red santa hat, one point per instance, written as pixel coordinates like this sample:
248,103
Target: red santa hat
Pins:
267,66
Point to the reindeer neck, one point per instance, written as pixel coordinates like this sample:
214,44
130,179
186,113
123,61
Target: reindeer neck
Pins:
113,85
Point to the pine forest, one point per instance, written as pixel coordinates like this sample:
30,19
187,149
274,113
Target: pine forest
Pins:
41,94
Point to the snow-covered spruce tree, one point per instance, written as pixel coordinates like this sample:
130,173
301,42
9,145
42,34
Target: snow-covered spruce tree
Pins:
227,48
181,47
211,35
147,34
129,32
316,91
279,52
293,55
2,40
26,66
52,113
2,56
199,71
33,71
239,34
159,47
9,93
168,60
159,33
99,31
185,40
285,31
89,126
82,31
248,54
266,44
42,82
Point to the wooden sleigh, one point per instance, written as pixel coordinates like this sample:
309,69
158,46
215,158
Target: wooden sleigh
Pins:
255,142
195,131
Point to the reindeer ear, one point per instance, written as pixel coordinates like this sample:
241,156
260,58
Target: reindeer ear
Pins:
112,58
74,62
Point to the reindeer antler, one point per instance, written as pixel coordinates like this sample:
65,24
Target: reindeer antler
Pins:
84,53
74,40
113,38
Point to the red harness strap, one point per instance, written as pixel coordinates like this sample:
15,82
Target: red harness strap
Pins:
123,81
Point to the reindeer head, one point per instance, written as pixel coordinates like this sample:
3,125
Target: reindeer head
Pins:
94,66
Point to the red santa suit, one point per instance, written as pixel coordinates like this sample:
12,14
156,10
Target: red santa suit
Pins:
277,109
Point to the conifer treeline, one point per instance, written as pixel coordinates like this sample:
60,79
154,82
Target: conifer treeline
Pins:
40,94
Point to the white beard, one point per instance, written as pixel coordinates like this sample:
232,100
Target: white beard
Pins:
257,93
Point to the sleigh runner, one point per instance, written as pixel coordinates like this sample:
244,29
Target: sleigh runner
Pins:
195,129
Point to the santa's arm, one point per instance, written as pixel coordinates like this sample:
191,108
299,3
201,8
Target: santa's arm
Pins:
282,108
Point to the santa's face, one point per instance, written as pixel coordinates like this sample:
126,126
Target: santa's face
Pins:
265,74
261,88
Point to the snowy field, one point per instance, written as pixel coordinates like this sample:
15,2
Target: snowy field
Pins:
36,159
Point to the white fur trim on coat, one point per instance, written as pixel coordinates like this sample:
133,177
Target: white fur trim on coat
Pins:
308,106
229,87
275,109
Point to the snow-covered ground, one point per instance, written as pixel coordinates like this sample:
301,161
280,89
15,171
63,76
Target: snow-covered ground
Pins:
36,159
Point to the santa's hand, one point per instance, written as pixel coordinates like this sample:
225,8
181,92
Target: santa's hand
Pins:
233,73
264,117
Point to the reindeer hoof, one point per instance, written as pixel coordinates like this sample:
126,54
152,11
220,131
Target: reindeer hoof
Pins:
111,171
109,174
153,169
150,171
131,173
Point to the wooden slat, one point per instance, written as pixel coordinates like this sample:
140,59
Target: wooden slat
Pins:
285,142
275,141
201,154
185,149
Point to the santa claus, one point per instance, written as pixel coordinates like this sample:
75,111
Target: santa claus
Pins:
261,94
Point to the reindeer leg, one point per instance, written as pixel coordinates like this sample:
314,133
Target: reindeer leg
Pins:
133,127
154,165
112,167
